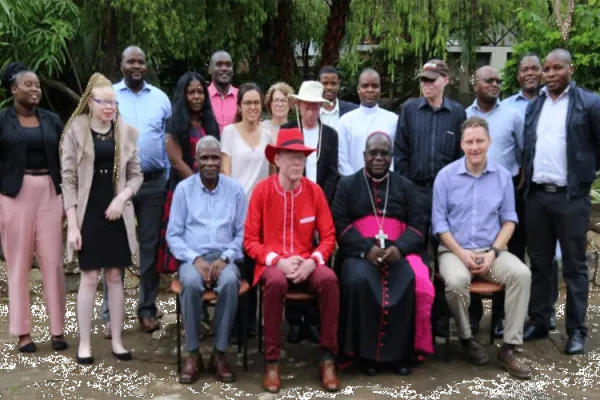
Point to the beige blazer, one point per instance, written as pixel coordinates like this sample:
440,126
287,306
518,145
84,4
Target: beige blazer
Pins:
77,165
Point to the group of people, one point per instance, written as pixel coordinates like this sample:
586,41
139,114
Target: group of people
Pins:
353,203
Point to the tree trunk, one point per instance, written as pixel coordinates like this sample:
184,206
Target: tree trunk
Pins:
110,44
61,87
283,49
334,32
306,60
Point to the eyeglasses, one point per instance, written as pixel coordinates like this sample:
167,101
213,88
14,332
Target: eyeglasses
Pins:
489,81
103,102
382,153
280,101
250,103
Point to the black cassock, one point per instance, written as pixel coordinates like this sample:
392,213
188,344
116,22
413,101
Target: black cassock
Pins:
377,310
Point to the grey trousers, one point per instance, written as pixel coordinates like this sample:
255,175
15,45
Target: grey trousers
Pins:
148,203
227,288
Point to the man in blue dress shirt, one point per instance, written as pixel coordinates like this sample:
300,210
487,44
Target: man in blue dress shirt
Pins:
205,233
147,108
474,217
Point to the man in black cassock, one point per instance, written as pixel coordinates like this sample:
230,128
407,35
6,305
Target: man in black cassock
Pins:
377,284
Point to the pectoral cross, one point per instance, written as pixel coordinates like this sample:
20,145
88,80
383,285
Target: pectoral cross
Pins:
381,236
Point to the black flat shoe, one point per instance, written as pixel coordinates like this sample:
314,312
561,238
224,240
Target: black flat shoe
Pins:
532,332
84,360
403,370
59,344
123,356
576,343
28,348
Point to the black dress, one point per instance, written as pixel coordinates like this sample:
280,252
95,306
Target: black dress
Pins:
103,242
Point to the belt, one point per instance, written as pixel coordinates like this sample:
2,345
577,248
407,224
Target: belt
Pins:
549,187
153,174
37,172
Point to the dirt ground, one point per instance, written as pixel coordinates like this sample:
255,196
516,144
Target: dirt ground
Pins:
152,374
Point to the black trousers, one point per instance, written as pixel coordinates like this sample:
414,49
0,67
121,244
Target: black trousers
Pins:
552,216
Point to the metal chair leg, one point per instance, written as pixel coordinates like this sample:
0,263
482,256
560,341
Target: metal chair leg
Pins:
244,338
178,311
260,321
239,317
447,350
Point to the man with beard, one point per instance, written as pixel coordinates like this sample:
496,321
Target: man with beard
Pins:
147,108
331,112
561,157
379,232
223,95
355,126
529,76
506,134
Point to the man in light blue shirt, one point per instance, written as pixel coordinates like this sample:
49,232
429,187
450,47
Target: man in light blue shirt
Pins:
147,108
474,217
205,233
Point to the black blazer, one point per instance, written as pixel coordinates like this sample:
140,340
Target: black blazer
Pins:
346,107
327,166
13,149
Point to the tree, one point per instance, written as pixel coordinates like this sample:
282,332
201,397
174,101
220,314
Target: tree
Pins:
334,32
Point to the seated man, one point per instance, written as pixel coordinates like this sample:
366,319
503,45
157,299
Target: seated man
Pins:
474,217
378,230
285,211
205,233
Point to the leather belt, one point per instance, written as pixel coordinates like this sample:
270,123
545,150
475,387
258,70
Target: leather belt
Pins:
37,172
549,187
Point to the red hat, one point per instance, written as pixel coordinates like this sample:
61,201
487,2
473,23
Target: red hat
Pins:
289,139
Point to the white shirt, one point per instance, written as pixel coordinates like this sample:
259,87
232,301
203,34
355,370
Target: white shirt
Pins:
550,161
248,165
311,139
331,118
354,127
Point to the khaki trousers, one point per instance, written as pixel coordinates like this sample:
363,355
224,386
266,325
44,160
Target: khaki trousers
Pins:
507,270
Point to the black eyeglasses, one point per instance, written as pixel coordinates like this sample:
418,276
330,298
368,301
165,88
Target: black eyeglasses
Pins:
376,152
492,80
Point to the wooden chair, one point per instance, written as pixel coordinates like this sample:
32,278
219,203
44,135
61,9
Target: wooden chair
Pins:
292,295
209,298
485,290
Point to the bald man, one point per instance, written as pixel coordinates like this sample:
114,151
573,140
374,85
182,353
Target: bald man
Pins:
356,125
223,95
506,134
561,158
147,108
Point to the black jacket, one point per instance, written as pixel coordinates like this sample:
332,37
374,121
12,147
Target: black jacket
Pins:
327,166
346,107
13,149
583,139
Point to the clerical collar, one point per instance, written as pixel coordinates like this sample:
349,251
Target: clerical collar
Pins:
383,178
370,110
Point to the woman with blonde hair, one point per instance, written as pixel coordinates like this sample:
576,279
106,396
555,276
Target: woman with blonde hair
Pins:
278,107
100,174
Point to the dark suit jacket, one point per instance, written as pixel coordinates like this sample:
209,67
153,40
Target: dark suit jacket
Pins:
346,106
327,166
13,149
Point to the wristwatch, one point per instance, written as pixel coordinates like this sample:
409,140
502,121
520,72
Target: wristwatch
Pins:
495,250
224,258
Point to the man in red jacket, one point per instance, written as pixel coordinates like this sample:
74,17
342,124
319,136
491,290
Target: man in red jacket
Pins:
284,213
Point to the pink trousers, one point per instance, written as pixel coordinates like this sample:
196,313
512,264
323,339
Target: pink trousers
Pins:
31,224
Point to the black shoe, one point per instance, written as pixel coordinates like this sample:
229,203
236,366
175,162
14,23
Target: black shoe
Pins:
576,343
28,348
553,322
123,356
499,329
533,331
294,334
84,360
403,369
367,367
59,344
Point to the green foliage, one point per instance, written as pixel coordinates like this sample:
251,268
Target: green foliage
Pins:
308,21
541,35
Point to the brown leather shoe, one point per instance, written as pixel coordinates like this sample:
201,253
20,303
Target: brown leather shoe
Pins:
219,366
476,353
192,366
328,376
272,378
509,361
148,324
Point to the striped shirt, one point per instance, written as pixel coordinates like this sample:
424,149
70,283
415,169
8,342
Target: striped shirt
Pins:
204,221
427,139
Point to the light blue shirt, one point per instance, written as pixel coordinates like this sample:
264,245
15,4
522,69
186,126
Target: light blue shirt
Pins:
148,111
202,221
518,102
506,131
472,208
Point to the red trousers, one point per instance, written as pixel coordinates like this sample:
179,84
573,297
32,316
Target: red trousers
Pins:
323,282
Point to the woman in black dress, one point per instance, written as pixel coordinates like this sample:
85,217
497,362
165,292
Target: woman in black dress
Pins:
101,172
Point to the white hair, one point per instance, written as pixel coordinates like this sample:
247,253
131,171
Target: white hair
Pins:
207,141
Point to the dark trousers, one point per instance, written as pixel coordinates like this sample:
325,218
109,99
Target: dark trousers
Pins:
552,216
